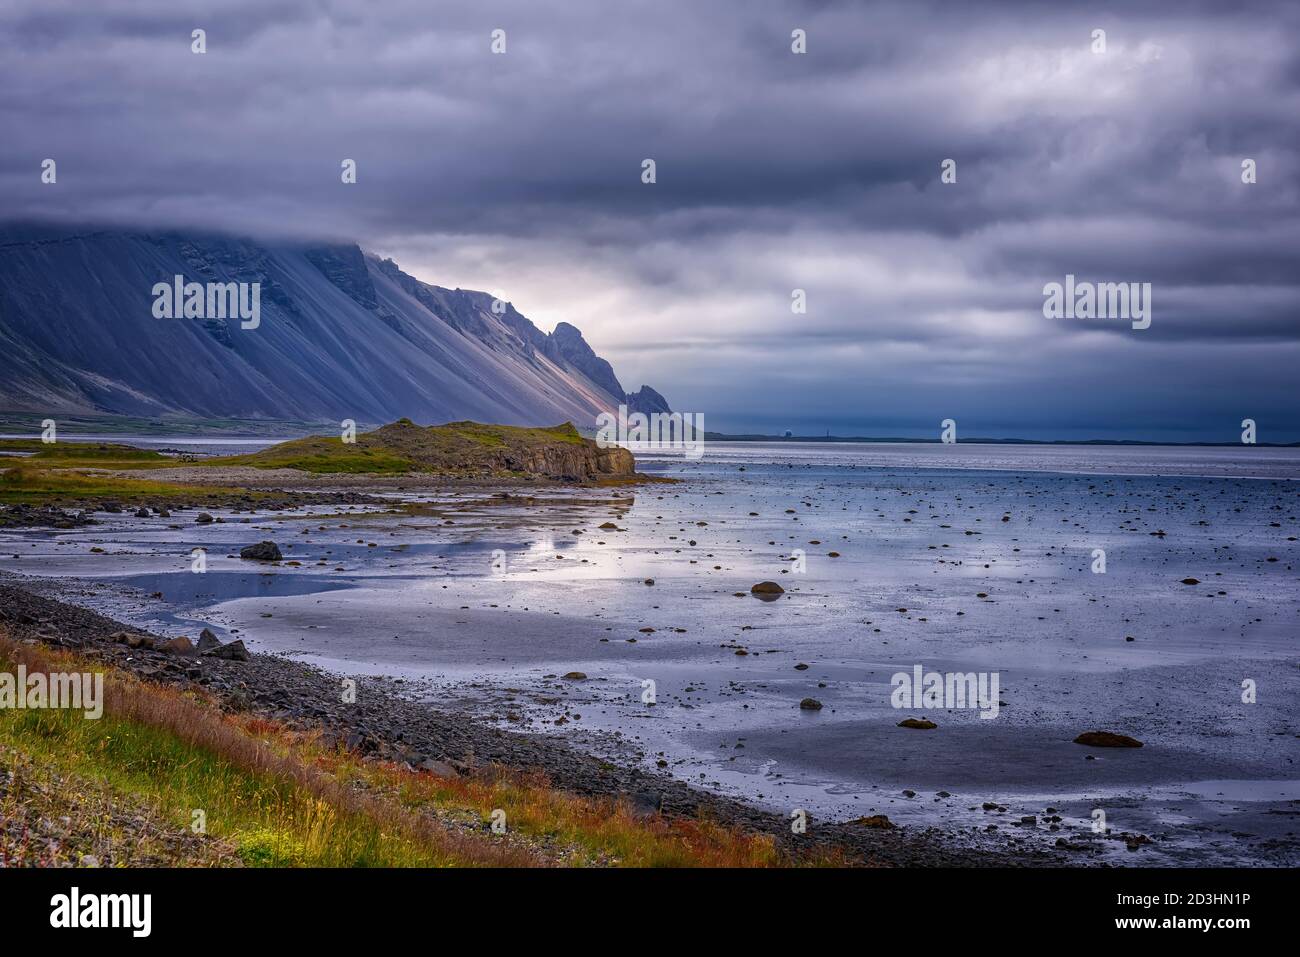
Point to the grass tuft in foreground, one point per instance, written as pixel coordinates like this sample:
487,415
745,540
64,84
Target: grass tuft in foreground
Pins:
272,796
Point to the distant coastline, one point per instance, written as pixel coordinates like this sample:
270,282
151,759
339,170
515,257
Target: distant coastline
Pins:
874,440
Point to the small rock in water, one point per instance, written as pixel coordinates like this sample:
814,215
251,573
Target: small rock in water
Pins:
1107,739
810,704
919,723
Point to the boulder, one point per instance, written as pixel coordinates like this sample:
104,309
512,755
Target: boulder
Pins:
810,704
261,552
179,646
208,641
232,651
203,518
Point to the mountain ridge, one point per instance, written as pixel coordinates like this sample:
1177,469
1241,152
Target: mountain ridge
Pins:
342,334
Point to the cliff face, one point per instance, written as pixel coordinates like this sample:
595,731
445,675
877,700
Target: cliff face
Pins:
342,335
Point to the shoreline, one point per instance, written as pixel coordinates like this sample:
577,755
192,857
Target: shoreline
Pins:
387,725
579,764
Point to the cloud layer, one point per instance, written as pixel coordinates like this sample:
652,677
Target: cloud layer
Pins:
520,173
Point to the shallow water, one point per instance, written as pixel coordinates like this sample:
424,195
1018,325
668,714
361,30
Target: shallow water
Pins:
1216,780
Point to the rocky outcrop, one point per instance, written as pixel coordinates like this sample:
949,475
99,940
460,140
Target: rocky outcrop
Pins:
460,450
647,401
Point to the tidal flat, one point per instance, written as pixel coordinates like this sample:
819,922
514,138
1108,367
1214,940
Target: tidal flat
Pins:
622,620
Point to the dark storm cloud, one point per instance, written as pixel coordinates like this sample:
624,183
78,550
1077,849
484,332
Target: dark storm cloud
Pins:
520,173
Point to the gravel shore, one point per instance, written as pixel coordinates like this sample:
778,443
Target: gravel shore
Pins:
386,724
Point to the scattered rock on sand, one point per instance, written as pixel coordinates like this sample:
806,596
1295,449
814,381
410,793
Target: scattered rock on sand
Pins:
810,704
203,518
1107,739
262,552
232,651
767,591
575,676
920,724
875,820
1191,581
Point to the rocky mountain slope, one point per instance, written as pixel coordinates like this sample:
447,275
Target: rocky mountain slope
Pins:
342,335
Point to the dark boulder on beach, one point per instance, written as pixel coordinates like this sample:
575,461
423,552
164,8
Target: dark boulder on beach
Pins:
810,704
261,552
179,646
232,651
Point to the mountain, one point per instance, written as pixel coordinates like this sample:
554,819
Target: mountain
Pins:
341,335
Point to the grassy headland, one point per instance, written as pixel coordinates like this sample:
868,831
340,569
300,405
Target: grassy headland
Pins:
69,471
269,795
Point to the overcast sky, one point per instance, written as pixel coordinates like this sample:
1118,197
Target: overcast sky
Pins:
520,173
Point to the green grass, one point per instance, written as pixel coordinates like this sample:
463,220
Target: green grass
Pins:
322,455
271,821
83,455
145,749
280,799
24,484
404,447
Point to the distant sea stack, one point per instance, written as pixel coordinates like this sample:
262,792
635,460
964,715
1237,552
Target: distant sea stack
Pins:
341,335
